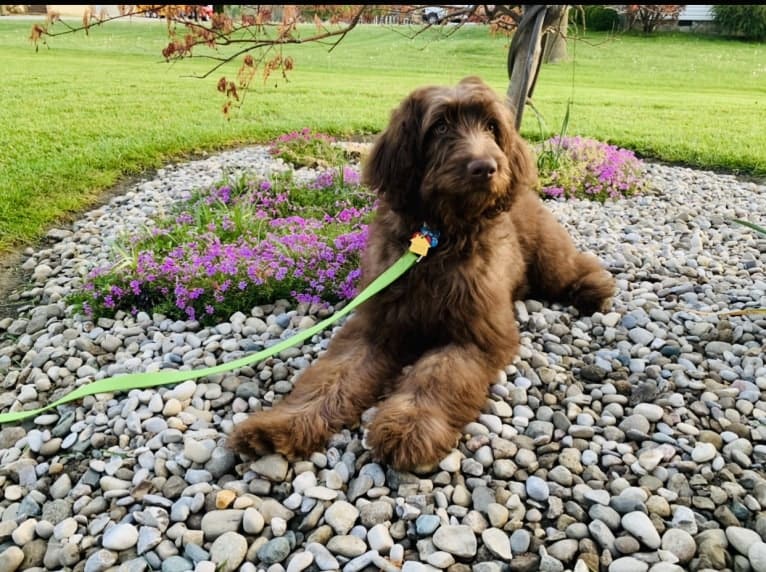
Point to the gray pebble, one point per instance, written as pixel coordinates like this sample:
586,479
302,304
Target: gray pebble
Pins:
628,564
176,564
100,561
120,537
497,542
275,550
639,525
347,545
341,516
323,559
426,524
458,540
537,488
228,551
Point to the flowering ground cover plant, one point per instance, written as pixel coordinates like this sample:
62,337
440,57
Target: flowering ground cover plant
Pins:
578,167
239,244
252,241
306,148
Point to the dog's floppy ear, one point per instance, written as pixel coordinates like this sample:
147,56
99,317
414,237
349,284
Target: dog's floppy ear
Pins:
394,167
523,166
520,158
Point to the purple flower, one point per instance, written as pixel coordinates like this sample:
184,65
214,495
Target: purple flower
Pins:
350,175
223,194
184,218
346,215
323,180
195,293
554,192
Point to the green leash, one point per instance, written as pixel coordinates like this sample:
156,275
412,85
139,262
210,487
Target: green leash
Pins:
144,380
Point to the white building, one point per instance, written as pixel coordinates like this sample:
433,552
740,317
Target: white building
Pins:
696,13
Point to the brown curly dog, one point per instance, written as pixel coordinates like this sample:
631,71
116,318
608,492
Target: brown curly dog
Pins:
426,349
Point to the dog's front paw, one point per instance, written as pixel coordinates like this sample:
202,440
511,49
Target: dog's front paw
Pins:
289,433
406,437
593,292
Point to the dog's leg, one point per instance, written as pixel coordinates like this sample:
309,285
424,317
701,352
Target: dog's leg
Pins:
561,273
330,394
419,423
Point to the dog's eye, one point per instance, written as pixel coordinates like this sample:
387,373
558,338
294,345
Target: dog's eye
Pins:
440,128
492,127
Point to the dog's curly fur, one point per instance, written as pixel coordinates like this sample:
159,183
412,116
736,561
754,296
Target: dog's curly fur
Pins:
426,349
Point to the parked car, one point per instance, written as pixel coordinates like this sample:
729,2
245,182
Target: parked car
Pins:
454,13
433,14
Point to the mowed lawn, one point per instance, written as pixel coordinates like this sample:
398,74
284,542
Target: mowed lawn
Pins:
78,116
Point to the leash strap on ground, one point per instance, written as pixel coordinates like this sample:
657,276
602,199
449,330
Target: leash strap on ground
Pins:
144,380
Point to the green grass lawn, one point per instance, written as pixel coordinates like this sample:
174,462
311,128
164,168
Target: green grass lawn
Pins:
78,116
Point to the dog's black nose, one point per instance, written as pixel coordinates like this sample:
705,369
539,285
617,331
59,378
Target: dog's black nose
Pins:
482,168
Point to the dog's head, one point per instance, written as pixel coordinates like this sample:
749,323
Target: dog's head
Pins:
450,152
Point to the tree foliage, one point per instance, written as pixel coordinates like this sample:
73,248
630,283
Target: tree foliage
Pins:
650,16
746,21
598,18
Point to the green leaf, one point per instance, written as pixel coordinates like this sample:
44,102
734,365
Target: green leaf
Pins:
751,225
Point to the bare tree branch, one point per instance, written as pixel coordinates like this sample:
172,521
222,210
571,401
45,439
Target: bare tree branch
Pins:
348,28
258,41
253,45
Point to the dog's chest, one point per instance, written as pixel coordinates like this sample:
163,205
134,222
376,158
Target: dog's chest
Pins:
440,299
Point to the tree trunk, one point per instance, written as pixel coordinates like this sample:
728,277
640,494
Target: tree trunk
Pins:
555,50
524,57
525,53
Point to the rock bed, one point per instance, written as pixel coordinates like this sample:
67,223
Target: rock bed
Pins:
627,441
